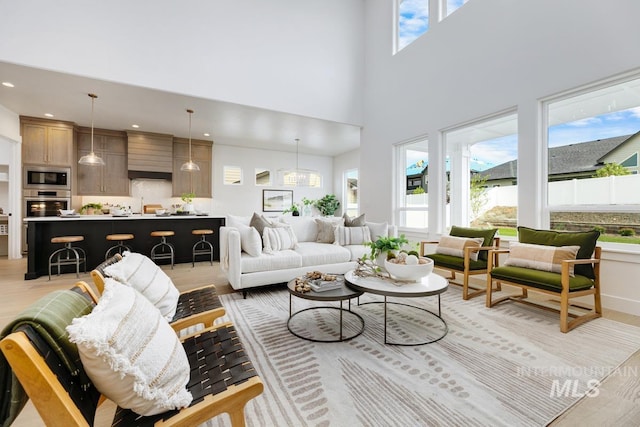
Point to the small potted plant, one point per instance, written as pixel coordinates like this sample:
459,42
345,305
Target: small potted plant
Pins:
91,208
307,205
381,248
294,209
328,205
187,198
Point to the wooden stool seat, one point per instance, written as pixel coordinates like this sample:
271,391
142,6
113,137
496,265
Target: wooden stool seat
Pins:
120,247
202,246
68,255
164,249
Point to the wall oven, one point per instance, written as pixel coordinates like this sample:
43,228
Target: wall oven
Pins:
46,178
38,203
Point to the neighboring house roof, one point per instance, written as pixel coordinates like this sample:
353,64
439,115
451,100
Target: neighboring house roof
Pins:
567,159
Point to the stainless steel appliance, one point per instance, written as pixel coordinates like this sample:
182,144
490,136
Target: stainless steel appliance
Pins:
40,203
46,178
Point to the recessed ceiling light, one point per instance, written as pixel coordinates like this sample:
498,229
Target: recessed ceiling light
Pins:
7,84
48,115
135,126
206,134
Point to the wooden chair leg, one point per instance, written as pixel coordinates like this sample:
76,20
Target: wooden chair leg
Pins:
564,312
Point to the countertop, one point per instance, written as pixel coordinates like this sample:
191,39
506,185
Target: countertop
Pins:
112,217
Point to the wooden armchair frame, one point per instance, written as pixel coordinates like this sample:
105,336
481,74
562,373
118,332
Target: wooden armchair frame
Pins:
195,306
228,382
467,291
565,294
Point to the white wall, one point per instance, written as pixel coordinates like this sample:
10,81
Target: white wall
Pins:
487,57
286,55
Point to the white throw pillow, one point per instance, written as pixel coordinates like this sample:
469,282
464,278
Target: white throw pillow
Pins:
130,352
454,246
279,239
235,221
377,230
250,240
146,277
541,257
352,235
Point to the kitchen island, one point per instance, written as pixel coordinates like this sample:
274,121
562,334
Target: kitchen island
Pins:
95,228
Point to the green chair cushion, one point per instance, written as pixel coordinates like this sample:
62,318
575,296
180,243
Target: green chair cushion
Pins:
456,263
585,239
486,233
540,279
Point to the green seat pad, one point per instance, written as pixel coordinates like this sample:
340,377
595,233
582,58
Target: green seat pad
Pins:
486,233
585,239
456,263
540,279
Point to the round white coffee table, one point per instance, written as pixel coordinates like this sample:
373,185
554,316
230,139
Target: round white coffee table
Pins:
429,285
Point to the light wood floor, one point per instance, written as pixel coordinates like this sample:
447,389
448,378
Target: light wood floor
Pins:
618,403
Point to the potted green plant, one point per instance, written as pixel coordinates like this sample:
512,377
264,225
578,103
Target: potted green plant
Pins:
307,204
381,247
328,205
294,209
187,198
91,208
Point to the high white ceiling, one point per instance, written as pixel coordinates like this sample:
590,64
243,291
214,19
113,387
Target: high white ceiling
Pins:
119,106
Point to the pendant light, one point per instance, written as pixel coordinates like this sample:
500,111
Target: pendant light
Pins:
92,158
297,177
189,166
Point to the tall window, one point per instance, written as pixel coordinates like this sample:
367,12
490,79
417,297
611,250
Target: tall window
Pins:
351,199
453,5
482,171
412,185
593,141
412,21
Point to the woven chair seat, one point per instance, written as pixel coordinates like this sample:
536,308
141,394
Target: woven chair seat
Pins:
196,301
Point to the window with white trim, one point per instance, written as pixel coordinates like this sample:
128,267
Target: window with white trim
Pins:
351,196
411,183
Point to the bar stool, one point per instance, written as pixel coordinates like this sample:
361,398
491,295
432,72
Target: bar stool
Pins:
68,255
164,249
120,247
202,246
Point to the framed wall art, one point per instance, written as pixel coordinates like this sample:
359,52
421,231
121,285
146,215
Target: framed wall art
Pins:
276,200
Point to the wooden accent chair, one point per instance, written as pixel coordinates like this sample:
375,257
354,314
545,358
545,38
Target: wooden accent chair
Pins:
199,305
222,380
584,280
465,264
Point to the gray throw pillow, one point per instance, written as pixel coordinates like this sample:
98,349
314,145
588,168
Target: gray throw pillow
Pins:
357,221
260,222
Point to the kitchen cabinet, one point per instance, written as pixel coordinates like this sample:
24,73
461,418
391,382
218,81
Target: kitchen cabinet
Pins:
192,182
110,179
46,142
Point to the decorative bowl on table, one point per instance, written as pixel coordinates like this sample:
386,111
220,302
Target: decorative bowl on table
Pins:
161,211
409,271
67,212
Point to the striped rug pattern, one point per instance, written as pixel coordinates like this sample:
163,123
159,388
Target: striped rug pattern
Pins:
505,366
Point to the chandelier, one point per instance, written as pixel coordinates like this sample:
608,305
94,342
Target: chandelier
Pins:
298,177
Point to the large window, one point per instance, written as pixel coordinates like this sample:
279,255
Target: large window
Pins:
351,199
412,21
592,148
453,5
412,185
482,171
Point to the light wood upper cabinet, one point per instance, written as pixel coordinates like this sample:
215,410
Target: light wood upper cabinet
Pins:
46,142
110,179
192,182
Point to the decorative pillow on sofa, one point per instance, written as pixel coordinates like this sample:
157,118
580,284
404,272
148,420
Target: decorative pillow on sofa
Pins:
541,257
130,352
260,222
279,239
141,273
587,241
377,230
235,221
326,229
357,221
352,235
455,246
250,240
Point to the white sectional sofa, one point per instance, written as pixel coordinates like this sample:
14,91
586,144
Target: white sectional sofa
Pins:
247,266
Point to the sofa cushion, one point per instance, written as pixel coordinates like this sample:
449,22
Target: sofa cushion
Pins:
322,253
357,221
279,239
541,257
131,353
234,221
250,240
377,230
456,263
305,228
487,234
326,229
455,246
280,260
540,279
357,251
352,235
587,241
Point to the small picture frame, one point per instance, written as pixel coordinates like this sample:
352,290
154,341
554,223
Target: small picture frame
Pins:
276,200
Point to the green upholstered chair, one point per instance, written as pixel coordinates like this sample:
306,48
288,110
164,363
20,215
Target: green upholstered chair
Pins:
465,264
584,281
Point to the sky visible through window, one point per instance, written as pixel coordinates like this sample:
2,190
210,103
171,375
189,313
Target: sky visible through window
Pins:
413,18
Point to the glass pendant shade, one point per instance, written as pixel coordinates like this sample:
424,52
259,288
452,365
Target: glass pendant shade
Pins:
91,159
189,166
297,177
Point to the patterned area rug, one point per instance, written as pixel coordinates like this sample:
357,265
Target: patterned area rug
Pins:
505,366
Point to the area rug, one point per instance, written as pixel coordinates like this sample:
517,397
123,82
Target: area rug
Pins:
505,366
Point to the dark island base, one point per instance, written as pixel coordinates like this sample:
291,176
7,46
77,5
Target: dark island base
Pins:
39,234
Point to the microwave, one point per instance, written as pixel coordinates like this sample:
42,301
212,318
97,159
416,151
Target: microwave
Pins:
47,178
